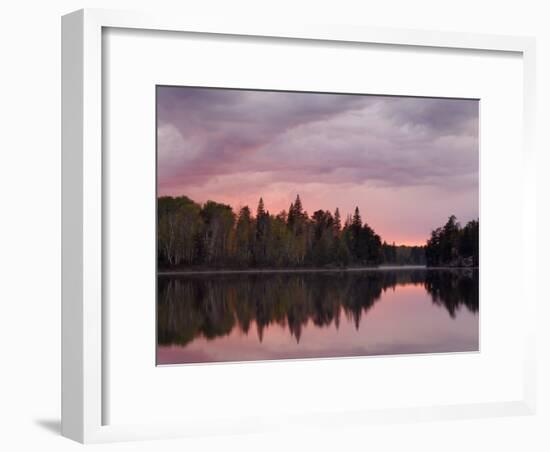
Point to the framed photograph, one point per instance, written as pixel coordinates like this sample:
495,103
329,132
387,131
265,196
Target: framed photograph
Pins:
237,282
253,216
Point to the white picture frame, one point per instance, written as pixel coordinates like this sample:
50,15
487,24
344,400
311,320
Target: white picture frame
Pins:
83,199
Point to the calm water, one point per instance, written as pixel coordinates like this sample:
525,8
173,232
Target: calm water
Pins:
274,315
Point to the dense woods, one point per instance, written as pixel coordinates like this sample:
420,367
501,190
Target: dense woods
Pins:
453,245
213,236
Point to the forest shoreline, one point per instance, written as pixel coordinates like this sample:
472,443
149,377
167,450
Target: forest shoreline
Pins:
307,270
211,236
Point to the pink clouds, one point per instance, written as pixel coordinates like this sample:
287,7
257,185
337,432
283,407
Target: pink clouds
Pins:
408,163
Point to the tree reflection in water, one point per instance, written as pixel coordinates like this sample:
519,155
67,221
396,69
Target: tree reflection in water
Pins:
211,305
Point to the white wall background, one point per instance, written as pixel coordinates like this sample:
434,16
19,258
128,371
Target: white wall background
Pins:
30,221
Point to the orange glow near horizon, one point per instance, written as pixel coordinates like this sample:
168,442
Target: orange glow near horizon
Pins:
276,203
407,163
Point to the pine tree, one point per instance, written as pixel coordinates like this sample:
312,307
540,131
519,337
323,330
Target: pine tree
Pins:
291,218
262,226
356,221
296,217
244,236
261,210
337,221
298,205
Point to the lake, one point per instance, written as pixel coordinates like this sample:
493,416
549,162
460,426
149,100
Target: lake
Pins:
242,316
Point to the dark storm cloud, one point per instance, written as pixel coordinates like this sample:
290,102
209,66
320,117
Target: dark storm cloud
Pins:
453,116
216,129
394,141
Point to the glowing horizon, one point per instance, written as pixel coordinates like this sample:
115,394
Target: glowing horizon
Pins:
407,163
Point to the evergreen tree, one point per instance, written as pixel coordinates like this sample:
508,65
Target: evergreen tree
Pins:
356,244
452,245
337,222
356,221
298,205
260,211
291,216
244,236
262,234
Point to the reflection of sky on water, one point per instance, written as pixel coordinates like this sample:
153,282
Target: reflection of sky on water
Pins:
404,320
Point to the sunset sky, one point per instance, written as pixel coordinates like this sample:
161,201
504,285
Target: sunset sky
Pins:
407,163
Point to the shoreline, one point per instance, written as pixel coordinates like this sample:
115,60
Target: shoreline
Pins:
306,270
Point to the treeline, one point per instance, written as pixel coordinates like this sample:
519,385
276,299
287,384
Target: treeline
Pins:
403,254
453,245
213,236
